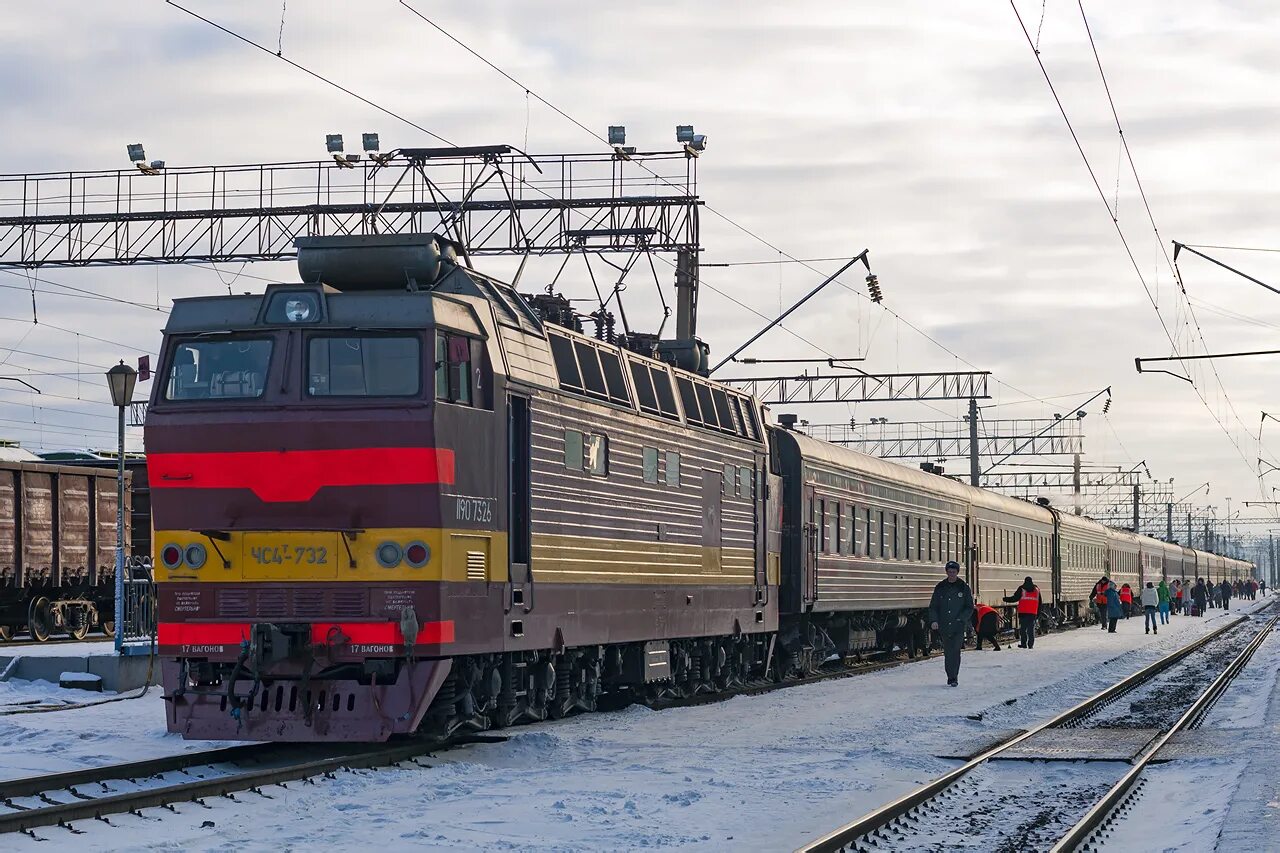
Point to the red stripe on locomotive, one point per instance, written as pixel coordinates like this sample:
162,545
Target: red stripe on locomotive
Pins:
291,476
364,633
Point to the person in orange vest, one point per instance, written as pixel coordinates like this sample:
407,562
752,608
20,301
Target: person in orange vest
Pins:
1126,600
986,620
1100,600
1027,597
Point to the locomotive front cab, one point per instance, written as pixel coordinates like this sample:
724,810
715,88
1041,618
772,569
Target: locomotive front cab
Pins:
324,500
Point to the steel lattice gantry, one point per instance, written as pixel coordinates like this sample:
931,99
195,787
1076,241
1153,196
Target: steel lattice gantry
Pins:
865,387
948,439
1059,480
493,200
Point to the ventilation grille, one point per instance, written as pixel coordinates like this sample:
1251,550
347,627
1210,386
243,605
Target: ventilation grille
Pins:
273,603
233,602
349,603
308,603
476,565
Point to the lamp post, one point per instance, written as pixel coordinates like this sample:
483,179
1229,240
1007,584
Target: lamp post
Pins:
120,379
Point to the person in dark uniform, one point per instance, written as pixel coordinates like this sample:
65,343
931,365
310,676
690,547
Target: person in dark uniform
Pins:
1027,597
950,612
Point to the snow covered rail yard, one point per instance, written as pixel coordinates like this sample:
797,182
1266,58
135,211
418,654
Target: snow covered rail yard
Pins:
968,805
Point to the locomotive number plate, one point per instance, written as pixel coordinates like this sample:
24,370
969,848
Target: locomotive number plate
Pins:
293,555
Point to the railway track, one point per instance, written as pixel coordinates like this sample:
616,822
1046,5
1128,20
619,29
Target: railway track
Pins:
1013,805
61,799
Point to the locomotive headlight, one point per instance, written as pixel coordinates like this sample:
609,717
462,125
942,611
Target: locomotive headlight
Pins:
195,555
417,554
299,309
171,556
389,555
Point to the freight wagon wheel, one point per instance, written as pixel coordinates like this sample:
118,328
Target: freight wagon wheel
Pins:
40,619
108,627
6,633
78,624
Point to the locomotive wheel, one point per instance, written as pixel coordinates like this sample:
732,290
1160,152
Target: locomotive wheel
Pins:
6,633
40,619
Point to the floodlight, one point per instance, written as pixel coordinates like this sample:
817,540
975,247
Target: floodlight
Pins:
136,154
369,141
617,134
157,164
333,143
698,142
684,133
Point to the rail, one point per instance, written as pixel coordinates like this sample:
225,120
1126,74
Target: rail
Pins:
1098,816
882,817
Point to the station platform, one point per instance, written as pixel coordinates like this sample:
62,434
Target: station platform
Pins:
48,662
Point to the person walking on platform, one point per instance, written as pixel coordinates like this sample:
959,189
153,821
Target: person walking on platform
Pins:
1164,596
1262,585
1150,600
950,611
1226,595
1027,597
1114,607
1126,600
1199,597
1100,600
986,622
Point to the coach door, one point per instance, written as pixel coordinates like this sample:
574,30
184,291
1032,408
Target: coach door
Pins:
809,591
518,501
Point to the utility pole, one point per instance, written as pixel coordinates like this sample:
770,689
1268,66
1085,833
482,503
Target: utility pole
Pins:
975,471
1189,545
1136,500
1168,536
1271,541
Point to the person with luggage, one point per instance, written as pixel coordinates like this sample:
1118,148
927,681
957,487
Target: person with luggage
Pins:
1199,597
1027,597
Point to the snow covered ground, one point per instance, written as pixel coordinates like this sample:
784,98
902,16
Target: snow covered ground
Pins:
754,773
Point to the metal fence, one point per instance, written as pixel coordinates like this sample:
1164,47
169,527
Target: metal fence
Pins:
139,606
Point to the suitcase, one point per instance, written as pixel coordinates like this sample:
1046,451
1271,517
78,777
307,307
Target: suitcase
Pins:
1195,611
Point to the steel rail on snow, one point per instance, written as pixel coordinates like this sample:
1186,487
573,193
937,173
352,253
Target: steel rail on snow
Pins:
84,807
1096,819
850,833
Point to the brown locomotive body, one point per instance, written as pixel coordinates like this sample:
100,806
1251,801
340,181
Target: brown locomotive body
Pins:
57,549
379,510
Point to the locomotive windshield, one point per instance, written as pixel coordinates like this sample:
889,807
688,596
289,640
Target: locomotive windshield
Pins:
221,369
381,366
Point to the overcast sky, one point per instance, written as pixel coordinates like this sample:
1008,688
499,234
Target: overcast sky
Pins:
923,131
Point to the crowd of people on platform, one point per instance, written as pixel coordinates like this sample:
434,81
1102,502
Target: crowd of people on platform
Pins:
953,613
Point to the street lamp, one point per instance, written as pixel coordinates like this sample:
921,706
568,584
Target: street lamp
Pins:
120,379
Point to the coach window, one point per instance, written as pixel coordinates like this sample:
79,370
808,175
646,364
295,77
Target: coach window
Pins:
673,468
573,449
666,398
649,464
373,367
708,407
730,474
838,526
746,483
920,546
722,410
885,551
453,368
911,539
822,526
853,531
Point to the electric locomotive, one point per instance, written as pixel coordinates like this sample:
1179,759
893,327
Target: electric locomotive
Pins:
392,499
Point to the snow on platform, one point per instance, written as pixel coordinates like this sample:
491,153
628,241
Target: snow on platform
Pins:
764,772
